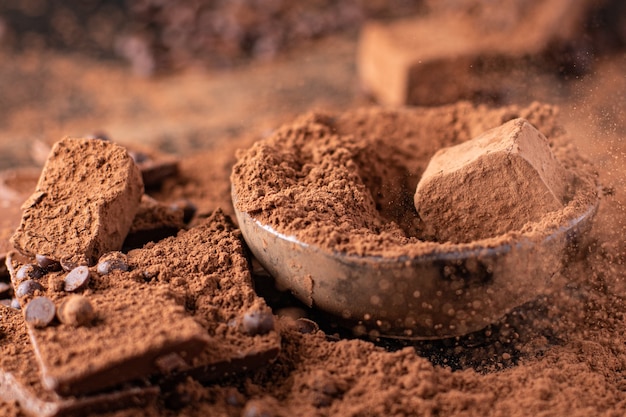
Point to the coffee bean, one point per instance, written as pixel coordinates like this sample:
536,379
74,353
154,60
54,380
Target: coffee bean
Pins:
47,264
112,261
76,310
258,322
77,279
27,287
39,312
29,271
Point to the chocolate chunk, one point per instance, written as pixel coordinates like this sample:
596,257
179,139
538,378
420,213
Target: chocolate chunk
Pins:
513,153
46,263
154,221
20,381
136,323
27,287
439,58
205,268
306,326
39,312
68,263
155,166
83,211
257,322
77,279
29,271
112,261
76,310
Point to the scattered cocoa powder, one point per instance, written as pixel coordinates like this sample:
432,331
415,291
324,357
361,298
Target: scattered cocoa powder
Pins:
345,183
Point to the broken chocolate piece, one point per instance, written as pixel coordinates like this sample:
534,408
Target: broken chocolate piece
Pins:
39,312
76,311
112,261
513,161
47,263
77,279
206,269
136,324
20,381
154,221
83,211
29,271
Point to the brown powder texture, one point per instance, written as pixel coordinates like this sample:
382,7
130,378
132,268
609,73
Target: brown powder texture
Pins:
206,271
84,203
345,182
153,221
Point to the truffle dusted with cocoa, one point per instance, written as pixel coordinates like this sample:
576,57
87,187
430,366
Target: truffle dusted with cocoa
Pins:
510,166
84,203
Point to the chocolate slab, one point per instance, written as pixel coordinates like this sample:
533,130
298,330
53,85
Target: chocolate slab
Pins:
136,324
20,382
207,270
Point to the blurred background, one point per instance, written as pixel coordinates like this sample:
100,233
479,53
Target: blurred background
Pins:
190,74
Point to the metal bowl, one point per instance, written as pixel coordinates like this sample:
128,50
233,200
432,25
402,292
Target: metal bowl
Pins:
449,292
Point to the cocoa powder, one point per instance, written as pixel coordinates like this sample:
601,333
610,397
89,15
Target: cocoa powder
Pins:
345,183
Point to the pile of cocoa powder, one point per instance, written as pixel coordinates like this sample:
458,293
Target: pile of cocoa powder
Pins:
557,355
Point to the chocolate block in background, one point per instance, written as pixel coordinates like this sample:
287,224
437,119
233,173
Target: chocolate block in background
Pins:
444,56
20,380
84,203
136,324
206,269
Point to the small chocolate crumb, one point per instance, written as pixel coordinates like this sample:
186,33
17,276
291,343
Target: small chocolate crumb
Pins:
76,310
27,287
306,326
77,279
257,408
15,303
39,312
112,261
170,363
29,271
69,263
47,264
257,322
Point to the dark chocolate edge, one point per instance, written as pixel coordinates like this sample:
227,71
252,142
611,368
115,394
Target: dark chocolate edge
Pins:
132,368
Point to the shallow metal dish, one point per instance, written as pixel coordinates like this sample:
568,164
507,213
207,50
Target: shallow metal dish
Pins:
444,294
